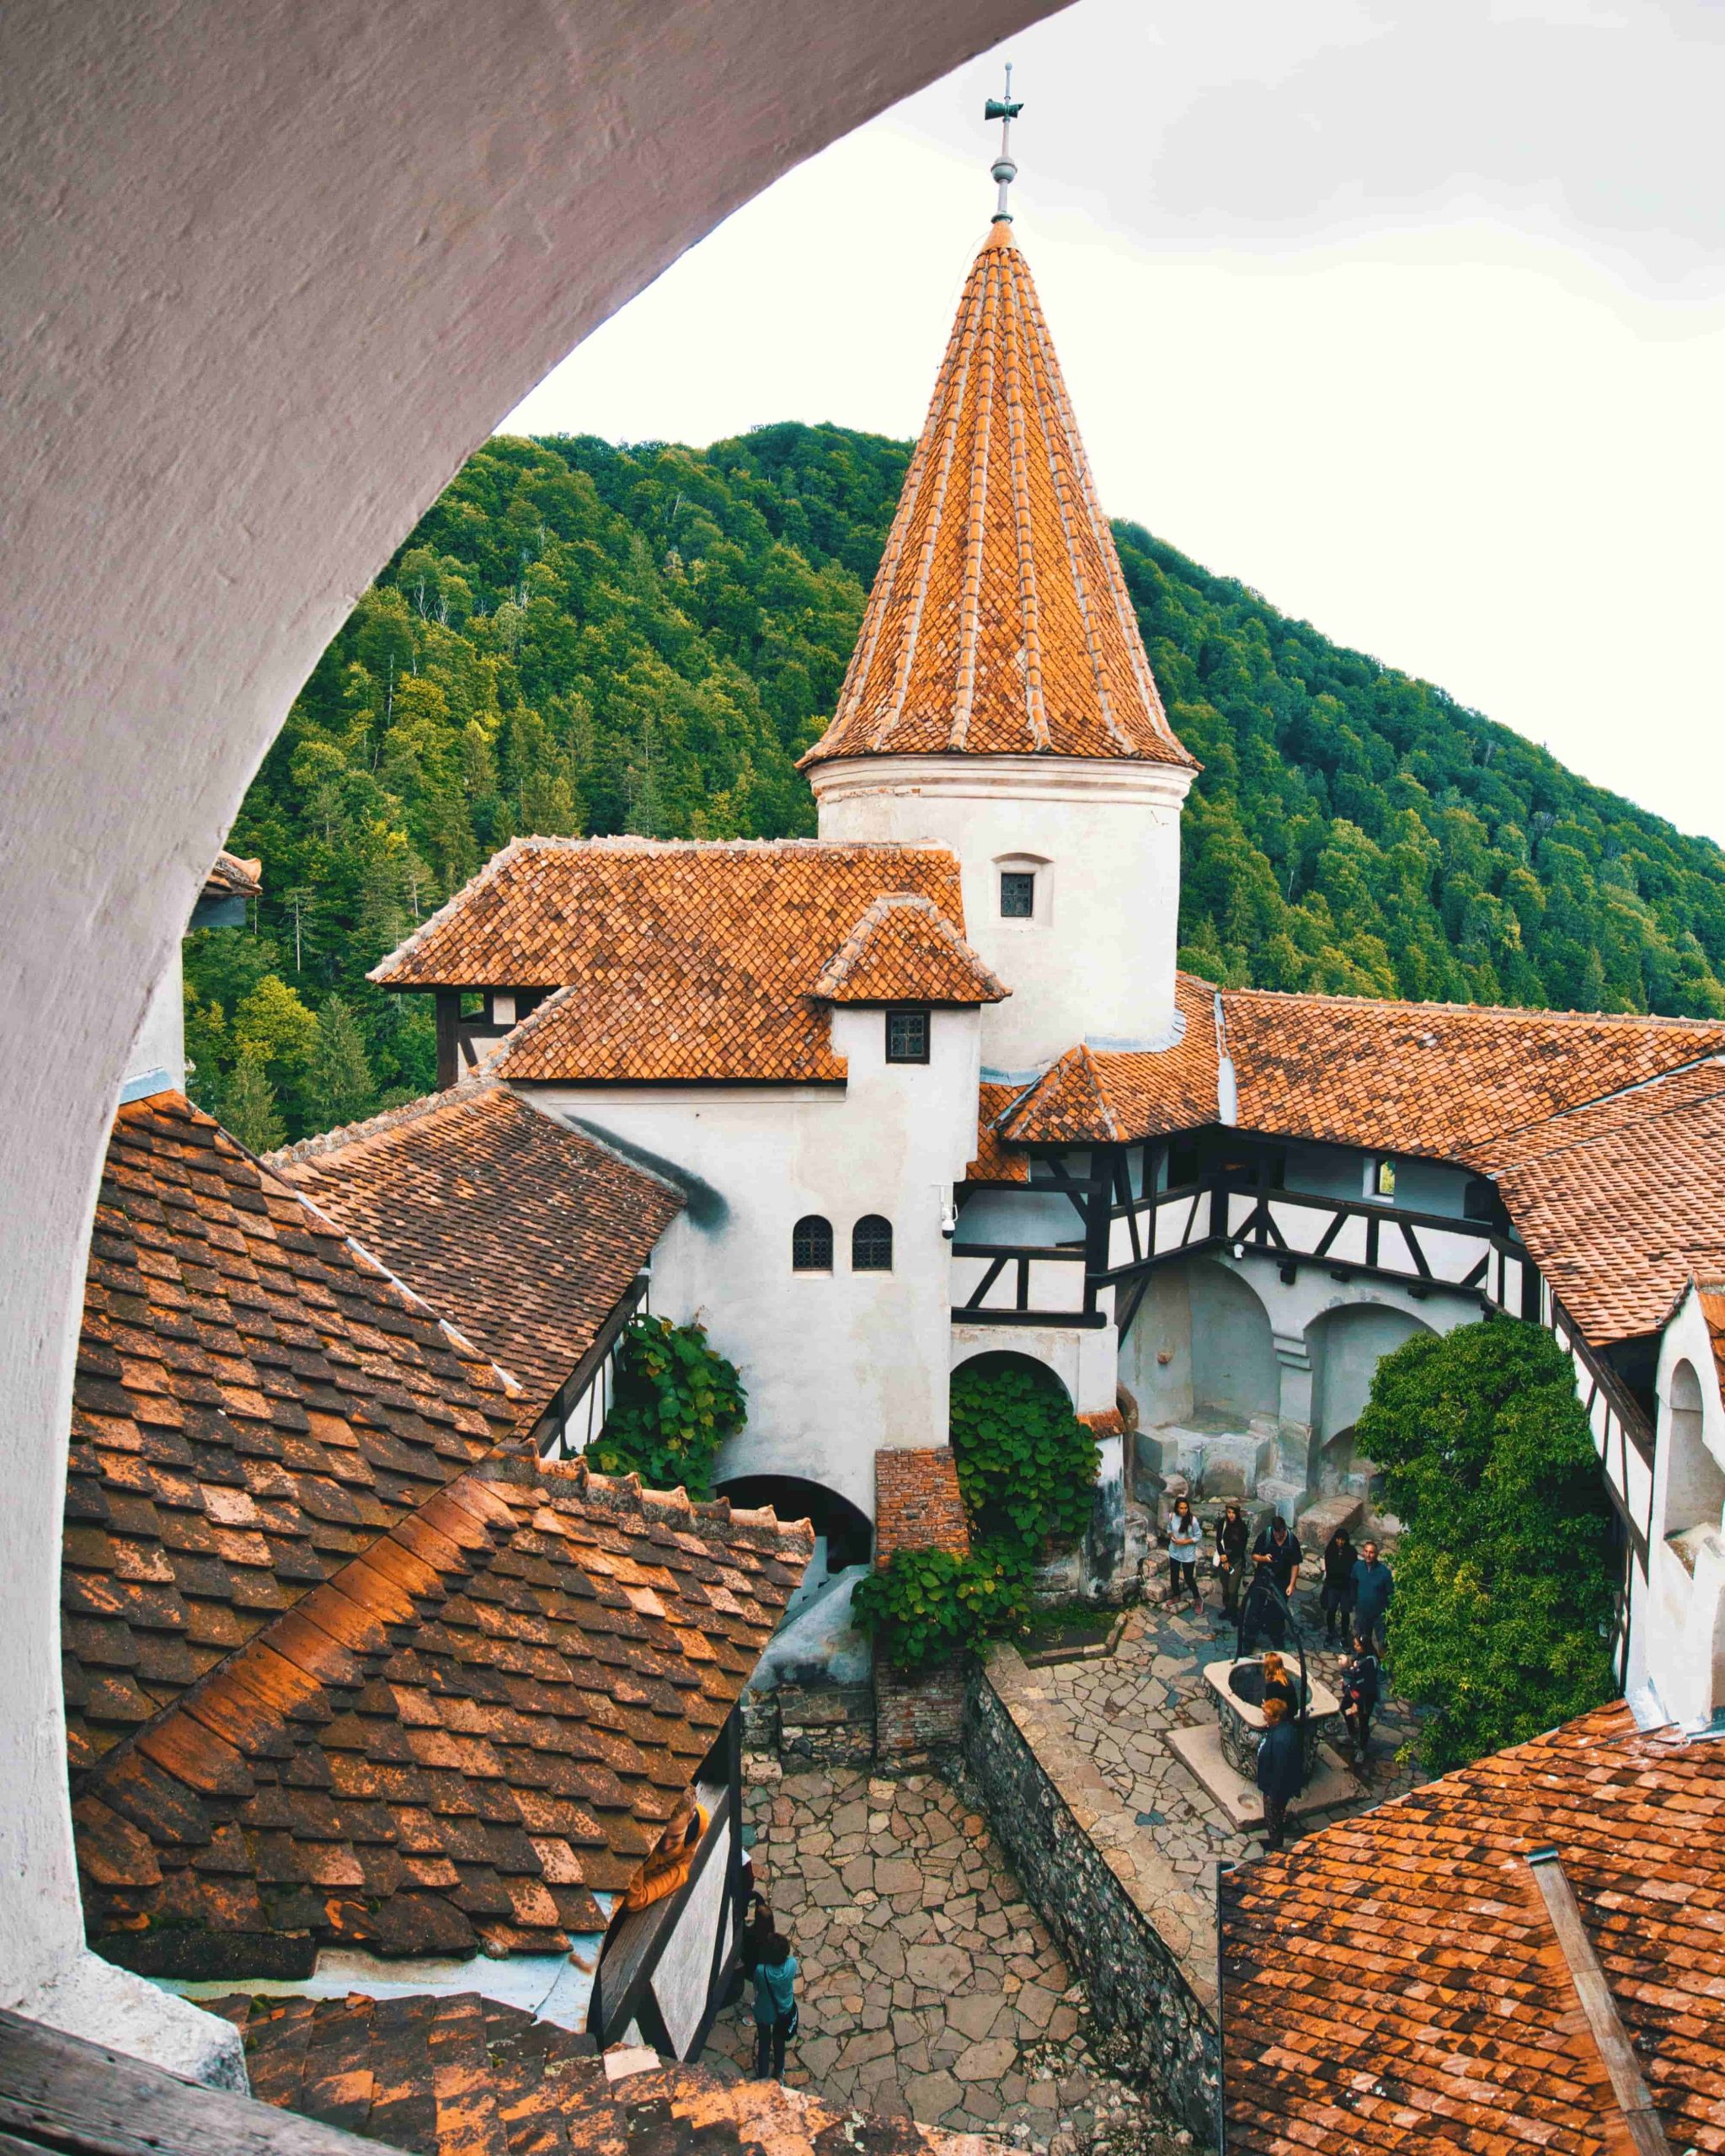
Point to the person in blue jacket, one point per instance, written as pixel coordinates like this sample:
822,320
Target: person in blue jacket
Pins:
774,1975
1281,1769
1373,1585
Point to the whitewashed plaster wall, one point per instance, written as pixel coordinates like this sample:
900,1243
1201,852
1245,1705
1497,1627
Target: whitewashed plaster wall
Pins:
271,272
1096,961
836,1364
1677,1627
1081,1357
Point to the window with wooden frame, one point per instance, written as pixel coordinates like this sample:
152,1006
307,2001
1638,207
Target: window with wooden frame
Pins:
872,1244
811,1244
1017,894
907,1035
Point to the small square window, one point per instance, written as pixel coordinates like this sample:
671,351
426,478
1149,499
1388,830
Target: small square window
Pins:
907,1037
1386,1178
1017,893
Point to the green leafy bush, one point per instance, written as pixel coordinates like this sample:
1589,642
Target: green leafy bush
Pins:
677,1400
1027,1465
1504,1579
926,1605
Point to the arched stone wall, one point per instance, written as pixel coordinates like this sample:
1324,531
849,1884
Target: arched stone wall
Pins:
272,273
1010,1359
1345,1347
1235,1372
1695,1484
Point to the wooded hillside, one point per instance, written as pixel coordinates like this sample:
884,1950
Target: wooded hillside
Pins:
579,638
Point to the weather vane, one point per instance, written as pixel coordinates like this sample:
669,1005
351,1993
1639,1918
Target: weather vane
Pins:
1004,110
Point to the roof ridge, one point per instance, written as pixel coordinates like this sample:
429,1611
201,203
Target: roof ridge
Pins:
1478,1010
1602,1100
629,1491
851,952
472,1084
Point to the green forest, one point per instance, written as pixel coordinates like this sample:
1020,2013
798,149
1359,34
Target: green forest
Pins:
580,637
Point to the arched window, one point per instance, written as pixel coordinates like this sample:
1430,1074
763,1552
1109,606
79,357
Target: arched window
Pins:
811,1244
872,1245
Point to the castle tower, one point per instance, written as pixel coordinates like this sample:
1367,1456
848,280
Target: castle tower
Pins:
1000,700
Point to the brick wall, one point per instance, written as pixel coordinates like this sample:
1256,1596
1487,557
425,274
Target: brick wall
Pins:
917,1507
916,1501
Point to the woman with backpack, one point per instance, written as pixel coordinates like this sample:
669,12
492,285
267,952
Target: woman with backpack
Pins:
774,1975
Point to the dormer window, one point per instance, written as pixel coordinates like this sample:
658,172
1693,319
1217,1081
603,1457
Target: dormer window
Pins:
1017,894
907,1035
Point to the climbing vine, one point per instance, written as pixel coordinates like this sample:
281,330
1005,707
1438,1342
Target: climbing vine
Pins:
677,1400
926,1605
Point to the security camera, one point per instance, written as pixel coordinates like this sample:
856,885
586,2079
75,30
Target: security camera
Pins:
949,1219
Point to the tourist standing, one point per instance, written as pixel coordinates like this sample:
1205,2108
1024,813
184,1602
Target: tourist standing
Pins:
1361,1682
1340,1557
1277,1684
1281,1770
1276,1554
1185,1540
1233,1539
1373,1585
775,2007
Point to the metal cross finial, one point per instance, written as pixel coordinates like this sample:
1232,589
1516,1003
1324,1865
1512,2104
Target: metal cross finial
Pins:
1003,110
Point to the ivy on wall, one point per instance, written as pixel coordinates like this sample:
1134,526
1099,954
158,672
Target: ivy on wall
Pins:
677,1399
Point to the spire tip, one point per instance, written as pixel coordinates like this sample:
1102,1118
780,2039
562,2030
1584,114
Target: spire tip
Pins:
1005,171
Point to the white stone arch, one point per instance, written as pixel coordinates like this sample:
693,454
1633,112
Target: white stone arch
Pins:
1014,1357
272,276
1235,1371
1345,1344
1694,1476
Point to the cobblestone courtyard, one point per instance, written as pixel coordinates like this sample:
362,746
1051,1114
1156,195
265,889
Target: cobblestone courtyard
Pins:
929,1988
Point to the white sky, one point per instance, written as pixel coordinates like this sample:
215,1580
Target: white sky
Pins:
1412,317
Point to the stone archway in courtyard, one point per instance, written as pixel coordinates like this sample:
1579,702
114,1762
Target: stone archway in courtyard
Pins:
1345,1347
274,276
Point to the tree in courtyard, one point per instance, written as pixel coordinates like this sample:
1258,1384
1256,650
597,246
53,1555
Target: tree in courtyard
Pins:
1505,1579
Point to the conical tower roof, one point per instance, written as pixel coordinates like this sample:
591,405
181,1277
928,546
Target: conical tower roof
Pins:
999,623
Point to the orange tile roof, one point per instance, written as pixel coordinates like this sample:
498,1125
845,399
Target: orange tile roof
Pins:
1000,623
905,950
254,1402
679,960
1105,1094
1441,1079
234,877
1621,1201
459,2075
1393,1982
526,1234
1711,1299
996,1161
452,1746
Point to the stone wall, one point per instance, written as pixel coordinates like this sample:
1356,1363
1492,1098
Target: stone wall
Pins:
917,1507
1140,1937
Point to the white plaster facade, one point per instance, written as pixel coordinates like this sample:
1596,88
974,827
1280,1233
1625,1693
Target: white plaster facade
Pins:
1095,961
836,1364
1678,1636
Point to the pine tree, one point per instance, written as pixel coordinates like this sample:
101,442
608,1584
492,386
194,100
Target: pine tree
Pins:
339,1087
246,1104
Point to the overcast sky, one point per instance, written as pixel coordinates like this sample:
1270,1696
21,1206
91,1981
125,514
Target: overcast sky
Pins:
1411,316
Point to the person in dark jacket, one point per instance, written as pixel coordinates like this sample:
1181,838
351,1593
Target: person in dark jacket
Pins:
1277,1684
1362,1681
1276,1553
1281,1770
1233,1539
1340,1557
775,2007
757,1934
1373,1585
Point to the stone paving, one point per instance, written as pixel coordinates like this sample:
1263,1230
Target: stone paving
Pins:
1117,1710
929,1987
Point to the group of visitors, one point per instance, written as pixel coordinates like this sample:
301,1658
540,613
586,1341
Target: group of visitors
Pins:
1356,1589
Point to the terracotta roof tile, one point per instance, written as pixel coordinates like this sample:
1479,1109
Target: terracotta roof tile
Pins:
996,1161
999,623
678,960
1393,1982
457,1741
1619,1203
254,1401
526,1234
905,950
1103,1094
233,877
459,2075
1441,1079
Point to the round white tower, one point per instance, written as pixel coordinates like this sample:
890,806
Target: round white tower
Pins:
1000,700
